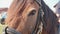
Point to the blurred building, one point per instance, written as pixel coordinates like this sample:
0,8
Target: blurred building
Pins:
3,10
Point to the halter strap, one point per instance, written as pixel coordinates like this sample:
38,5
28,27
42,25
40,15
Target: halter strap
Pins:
41,12
11,31
40,17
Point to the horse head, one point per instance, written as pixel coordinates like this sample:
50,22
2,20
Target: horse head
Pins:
25,16
22,16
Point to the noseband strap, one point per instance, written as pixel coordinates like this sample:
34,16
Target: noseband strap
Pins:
11,31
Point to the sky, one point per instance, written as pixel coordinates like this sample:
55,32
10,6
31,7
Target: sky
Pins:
7,3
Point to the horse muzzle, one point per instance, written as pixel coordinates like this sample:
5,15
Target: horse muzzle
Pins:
8,30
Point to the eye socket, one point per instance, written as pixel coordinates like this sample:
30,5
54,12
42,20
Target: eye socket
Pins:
32,13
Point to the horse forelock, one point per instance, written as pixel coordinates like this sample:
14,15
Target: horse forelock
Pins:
15,12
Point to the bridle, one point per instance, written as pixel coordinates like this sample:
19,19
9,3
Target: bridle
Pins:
40,17
38,22
9,30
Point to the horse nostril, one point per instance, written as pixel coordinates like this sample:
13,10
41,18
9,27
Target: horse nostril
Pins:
32,13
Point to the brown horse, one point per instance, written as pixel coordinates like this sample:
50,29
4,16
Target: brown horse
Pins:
23,16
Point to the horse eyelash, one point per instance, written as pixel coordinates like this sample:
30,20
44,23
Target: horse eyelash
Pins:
32,13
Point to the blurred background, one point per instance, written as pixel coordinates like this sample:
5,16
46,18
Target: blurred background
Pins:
7,3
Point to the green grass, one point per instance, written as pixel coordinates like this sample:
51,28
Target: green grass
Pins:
1,28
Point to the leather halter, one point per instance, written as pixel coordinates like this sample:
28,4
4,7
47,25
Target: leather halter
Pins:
40,17
10,31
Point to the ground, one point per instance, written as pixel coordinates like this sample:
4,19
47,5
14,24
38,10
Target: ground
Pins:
1,28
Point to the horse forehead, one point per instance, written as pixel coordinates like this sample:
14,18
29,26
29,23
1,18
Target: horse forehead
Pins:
31,7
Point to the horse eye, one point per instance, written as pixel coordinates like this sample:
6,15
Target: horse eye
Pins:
32,13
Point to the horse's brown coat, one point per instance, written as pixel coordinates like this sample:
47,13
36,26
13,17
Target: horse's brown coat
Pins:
18,18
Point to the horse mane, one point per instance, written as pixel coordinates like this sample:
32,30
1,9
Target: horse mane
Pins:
50,19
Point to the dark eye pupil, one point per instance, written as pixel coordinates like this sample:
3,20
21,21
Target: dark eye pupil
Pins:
32,13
